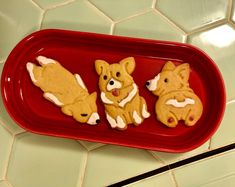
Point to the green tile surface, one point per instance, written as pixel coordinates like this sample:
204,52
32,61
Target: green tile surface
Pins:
28,160
155,28
191,14
120,9
78,15
46,161
219,43
16,23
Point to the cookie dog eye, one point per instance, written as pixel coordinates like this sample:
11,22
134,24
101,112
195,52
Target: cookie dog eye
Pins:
118,74
165,80
105,77
83,115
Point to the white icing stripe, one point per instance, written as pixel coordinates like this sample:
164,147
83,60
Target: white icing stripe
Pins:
153,83
120,122
105,99
145,113
116,84
80,81
29,67
177,104
111,121
129,97
136,117
45,60
53,98
92,120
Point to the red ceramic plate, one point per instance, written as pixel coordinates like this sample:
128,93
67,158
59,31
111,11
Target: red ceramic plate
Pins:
77,51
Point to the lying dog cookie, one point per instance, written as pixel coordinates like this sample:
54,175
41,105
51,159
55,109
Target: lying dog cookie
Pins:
177,101
64,89
120,94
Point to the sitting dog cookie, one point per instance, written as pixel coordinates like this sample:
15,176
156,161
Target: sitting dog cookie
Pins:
64,89
176,101
120,94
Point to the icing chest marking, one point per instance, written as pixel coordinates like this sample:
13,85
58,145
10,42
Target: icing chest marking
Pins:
105,99
177,104
129,97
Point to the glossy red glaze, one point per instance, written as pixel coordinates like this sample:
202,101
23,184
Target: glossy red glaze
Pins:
77,51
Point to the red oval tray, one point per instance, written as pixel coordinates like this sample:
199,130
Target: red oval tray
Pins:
77,51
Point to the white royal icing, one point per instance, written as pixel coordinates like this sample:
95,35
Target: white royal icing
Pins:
45,60
80,81
53,98
153,83
120,122
105,99
177,104
145,113
136,117
29,67
116,84
111,121
130,96
92,120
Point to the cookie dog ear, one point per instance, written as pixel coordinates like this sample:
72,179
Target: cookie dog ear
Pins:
183,71
128,64
169,66
100,65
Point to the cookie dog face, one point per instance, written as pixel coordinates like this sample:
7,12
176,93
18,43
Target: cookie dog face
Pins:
87,113
115,76
171,78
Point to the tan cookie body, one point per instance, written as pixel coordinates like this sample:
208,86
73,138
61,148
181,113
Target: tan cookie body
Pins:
64,89
176,101
120,94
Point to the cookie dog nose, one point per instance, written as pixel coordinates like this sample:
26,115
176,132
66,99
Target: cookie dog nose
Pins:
97,121
147,83
111,82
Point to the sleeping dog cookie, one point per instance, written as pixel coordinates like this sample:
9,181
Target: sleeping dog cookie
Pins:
177,101
120,94
64,89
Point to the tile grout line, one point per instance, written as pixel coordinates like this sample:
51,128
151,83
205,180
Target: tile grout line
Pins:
6,127
210,143
229,10
98,10
208,26
134,15
230,101
80,183
42,18
154,3
179,164
171,22
36,4
59,5
157,158
111,32
9,157
174,178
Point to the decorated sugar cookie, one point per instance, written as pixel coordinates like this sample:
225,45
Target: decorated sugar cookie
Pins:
64,89
120,94
176,101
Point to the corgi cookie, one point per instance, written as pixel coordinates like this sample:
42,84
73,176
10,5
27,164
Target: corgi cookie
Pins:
120,94
64,89
176,101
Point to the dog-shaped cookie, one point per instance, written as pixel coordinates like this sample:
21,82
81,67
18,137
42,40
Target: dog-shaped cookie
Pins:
120,94
64,89
176,101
